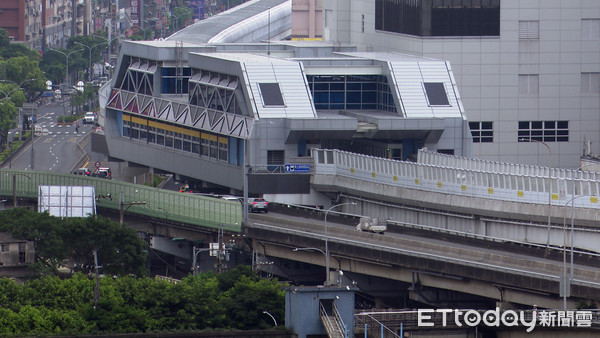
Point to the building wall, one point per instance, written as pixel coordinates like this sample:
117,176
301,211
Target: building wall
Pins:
307,19
12,18
487,70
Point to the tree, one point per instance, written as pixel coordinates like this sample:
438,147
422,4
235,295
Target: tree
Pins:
8,119
120,250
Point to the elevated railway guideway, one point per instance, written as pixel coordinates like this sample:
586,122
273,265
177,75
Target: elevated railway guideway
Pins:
501,200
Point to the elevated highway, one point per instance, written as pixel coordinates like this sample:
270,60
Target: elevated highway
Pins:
490,260
506,272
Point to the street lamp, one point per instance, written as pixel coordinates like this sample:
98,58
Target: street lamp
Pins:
176,18
196,252
270,315
108,47
549,183
15,187
327,280
67,59
90,56
314,249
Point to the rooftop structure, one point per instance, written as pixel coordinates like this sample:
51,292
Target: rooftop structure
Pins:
202,109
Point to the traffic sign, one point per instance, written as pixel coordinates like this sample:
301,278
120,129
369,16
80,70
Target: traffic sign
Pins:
297,168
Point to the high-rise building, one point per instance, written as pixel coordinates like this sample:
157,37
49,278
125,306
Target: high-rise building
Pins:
529,71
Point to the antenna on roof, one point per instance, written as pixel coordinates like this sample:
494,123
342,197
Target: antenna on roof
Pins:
269,33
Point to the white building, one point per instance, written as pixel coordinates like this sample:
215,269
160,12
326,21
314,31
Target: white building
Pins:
527,69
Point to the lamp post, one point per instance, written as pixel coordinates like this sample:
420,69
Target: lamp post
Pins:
327,280
15,187
315,249
196,252
90,74
549,183
176,18
67,61
63,94
270,315
108,43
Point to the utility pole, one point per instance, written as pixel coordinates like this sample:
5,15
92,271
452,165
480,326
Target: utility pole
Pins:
97,287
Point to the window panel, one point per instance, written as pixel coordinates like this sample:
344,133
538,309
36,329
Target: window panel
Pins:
545,131
482,131
271,94
436,93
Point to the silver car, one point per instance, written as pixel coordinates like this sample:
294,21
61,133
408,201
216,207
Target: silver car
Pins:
258,205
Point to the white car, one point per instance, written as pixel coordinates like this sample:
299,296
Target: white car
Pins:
89,117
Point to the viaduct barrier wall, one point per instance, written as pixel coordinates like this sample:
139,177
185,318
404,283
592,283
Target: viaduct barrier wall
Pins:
485,191
173,206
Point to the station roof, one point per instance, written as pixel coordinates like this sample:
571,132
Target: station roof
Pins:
204,30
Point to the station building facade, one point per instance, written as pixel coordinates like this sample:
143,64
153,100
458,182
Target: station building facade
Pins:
203,111
528,70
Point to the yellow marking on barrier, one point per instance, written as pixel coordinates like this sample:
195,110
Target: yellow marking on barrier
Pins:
395,178
555,197
439,184
593,199
352,170
373,174
416,181
520,193
463,187
490,190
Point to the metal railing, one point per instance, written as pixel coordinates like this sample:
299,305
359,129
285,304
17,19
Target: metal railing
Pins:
158,203
531,188
467,261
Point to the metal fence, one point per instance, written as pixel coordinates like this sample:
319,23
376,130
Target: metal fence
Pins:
535,187
153,202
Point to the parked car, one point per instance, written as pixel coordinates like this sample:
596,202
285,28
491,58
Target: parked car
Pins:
258,205
89,118
103,173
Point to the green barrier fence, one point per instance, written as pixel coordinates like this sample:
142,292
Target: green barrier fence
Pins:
162,204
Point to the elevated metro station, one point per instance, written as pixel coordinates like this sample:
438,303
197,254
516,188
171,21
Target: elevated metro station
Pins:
201,106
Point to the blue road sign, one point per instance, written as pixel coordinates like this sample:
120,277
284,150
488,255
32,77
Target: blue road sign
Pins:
297,168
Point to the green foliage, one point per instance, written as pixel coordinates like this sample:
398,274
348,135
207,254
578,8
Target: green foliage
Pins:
50,306
120,250
156,180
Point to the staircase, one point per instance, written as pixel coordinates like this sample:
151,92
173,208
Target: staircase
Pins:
331,319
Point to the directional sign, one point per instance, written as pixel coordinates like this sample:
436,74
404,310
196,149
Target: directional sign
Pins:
297,168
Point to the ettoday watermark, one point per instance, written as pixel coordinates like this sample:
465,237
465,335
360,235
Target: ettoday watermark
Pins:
497,318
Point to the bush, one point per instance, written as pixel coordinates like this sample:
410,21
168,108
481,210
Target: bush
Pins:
70,118
14,146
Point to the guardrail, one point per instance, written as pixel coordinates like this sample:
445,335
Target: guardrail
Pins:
458,181
434,158
159,203
418,254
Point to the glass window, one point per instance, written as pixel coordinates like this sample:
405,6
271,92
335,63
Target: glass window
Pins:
169,141
439,17
545,131
482,132
436,94
271,94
